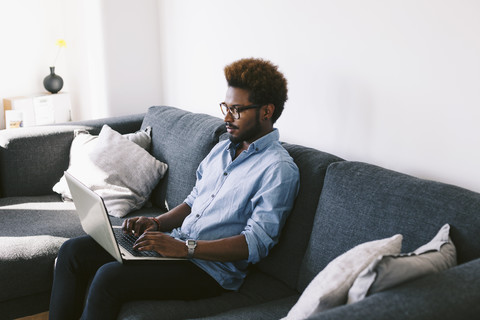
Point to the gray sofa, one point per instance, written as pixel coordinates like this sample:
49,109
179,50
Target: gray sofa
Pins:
340,204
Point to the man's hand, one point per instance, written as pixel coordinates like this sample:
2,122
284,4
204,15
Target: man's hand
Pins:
162,244
164,222
139,225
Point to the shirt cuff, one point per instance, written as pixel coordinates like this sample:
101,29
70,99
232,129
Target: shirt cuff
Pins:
258,242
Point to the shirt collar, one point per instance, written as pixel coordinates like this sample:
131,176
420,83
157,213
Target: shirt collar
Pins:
261,143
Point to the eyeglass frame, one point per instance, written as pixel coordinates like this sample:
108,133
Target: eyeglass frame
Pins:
237,109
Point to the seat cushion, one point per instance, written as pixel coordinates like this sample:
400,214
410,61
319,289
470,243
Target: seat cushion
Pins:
32,229
272,310
362,202
180,139
258,288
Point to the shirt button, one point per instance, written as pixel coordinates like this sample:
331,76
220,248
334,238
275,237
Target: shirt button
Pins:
213,196
225,173
197,215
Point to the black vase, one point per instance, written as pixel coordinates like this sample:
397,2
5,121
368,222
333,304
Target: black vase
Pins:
53,82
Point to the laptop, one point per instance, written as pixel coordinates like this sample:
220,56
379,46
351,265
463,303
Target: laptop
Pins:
95,222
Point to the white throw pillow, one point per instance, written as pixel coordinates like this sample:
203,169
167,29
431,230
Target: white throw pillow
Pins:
330,287
391,270
119,170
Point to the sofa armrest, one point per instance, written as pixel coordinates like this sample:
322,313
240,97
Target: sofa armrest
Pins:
453,294
33,159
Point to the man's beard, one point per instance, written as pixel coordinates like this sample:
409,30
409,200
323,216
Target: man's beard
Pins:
248,135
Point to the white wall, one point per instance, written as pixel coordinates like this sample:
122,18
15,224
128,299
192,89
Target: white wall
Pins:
132,51
110,66
114,64
394,83
28,31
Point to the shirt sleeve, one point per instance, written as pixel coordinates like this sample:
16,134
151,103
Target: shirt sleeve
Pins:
271,205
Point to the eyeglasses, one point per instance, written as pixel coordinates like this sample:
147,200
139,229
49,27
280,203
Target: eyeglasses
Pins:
236,109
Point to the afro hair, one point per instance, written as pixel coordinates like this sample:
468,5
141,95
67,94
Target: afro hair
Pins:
261,79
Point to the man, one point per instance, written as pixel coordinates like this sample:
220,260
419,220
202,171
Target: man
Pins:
245,189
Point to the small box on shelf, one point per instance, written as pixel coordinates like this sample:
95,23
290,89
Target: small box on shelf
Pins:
37,109
13,119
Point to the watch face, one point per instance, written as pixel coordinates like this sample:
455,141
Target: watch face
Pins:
191,242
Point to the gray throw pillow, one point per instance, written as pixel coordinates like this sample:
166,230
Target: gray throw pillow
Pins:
330,287
391,270
122,172
83,144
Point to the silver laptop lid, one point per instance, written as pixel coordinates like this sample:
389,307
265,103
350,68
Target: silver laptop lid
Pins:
93,216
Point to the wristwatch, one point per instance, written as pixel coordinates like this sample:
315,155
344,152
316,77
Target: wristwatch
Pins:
191,245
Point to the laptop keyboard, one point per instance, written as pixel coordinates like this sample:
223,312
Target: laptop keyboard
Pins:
127,241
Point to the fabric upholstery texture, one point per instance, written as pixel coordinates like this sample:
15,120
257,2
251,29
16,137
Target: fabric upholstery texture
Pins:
20,255
36,216
269,310
362,202
32,160
180,139
32,229
25,223
258,288
427,298
42,164
38,171
285,258
330,287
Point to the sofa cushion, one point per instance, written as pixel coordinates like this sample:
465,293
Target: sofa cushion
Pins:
42,164
25,263
362,202
40,215
452,294
285,258
32,229
180,139
329,288
271,310
258,288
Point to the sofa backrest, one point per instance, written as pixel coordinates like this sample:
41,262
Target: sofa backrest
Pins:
181,139
284,260
362,202
32,159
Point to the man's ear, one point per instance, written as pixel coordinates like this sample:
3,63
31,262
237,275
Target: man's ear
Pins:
268,112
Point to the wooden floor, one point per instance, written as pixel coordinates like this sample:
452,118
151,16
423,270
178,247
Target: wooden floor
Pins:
38,316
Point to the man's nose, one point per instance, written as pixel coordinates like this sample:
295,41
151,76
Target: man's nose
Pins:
228,117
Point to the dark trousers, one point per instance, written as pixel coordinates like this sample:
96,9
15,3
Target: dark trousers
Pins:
81,259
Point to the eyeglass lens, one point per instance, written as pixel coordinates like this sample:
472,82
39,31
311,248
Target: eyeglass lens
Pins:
226,109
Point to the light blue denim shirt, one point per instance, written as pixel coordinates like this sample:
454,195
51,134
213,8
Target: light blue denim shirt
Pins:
251,195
